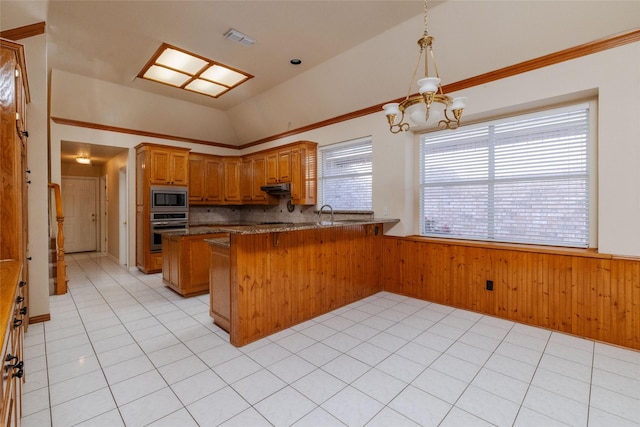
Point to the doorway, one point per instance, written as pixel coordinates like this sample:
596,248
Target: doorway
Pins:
123,210
79,198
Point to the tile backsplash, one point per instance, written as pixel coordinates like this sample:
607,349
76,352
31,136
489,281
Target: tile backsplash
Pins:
262,213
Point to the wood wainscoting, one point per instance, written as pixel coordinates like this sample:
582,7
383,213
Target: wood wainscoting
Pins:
579,292
281,279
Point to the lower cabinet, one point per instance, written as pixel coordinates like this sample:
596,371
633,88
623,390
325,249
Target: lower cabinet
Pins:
185,263
220,285
12,306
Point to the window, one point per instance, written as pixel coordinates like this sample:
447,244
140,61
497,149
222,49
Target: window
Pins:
524,179
345,175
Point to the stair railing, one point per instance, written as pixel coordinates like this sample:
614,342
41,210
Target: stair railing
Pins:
61,275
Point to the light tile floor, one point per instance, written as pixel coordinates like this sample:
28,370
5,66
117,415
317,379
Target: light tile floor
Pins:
121,349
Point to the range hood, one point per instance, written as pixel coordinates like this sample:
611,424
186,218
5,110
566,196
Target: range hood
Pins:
277,189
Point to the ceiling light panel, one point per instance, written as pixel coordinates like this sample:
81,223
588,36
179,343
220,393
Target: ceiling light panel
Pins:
223,75
207,88
176,67
181,61
167,76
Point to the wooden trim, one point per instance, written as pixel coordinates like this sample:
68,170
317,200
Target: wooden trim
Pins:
78,123
541,249
24,32
596,46
39,319
512,70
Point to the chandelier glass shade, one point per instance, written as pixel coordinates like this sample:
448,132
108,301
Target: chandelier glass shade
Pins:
431,105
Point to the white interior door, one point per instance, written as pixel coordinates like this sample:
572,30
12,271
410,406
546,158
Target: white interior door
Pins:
79,196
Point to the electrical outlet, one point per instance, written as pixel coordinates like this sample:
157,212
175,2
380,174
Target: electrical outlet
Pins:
385,211
489,285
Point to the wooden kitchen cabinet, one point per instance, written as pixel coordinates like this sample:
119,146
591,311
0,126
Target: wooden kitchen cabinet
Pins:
196,178
13,319
155,164
253,175
206,179
185,264
169,166
220,285
14,188
232,180
304,174
279,166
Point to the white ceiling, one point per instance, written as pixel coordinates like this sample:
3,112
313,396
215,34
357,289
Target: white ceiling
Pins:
112,40
353,54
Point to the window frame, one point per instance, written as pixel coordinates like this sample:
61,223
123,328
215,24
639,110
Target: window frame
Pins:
362,141
592,167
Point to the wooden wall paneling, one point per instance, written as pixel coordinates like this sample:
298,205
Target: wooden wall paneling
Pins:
589,295
282,279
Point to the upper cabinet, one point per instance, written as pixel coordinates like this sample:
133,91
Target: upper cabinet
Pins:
253,175
279,166
206,179
169,166
303,173
232,180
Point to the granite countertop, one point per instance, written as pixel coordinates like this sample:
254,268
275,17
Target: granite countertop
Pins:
258,228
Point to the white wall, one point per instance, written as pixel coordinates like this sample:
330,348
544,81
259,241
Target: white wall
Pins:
614,75
94,101
35,52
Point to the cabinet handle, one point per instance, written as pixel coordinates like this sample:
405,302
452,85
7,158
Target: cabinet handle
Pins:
23,310
25,133
17,323
23,283
10,358
18,365
19,299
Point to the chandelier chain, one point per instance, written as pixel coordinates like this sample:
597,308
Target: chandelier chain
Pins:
426,16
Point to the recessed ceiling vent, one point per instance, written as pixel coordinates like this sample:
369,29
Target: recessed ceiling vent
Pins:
238,37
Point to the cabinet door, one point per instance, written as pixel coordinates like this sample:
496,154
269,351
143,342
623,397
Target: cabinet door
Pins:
303,176
272,168
232,180
196,178
246,180
179,168
213,179
259,178
160,165
279,167
284,166
220,287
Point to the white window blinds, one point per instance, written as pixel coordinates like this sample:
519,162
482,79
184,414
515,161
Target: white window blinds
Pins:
345,175
524,180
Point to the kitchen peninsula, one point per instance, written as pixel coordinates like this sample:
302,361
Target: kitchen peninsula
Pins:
280,275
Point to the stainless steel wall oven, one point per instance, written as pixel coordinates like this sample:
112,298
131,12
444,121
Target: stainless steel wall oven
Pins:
165,221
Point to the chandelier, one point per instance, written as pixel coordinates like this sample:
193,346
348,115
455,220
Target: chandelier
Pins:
430,104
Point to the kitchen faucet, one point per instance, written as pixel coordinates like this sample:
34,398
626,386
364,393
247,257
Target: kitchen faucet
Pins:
320,213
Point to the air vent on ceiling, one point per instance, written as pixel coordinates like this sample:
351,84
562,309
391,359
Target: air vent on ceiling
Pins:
238,37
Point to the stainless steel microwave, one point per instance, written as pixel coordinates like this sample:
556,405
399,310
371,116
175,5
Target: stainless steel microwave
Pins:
169,199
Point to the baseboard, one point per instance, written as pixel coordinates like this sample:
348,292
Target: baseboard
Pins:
39,319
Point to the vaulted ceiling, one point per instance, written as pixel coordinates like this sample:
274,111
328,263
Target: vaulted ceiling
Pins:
353,55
